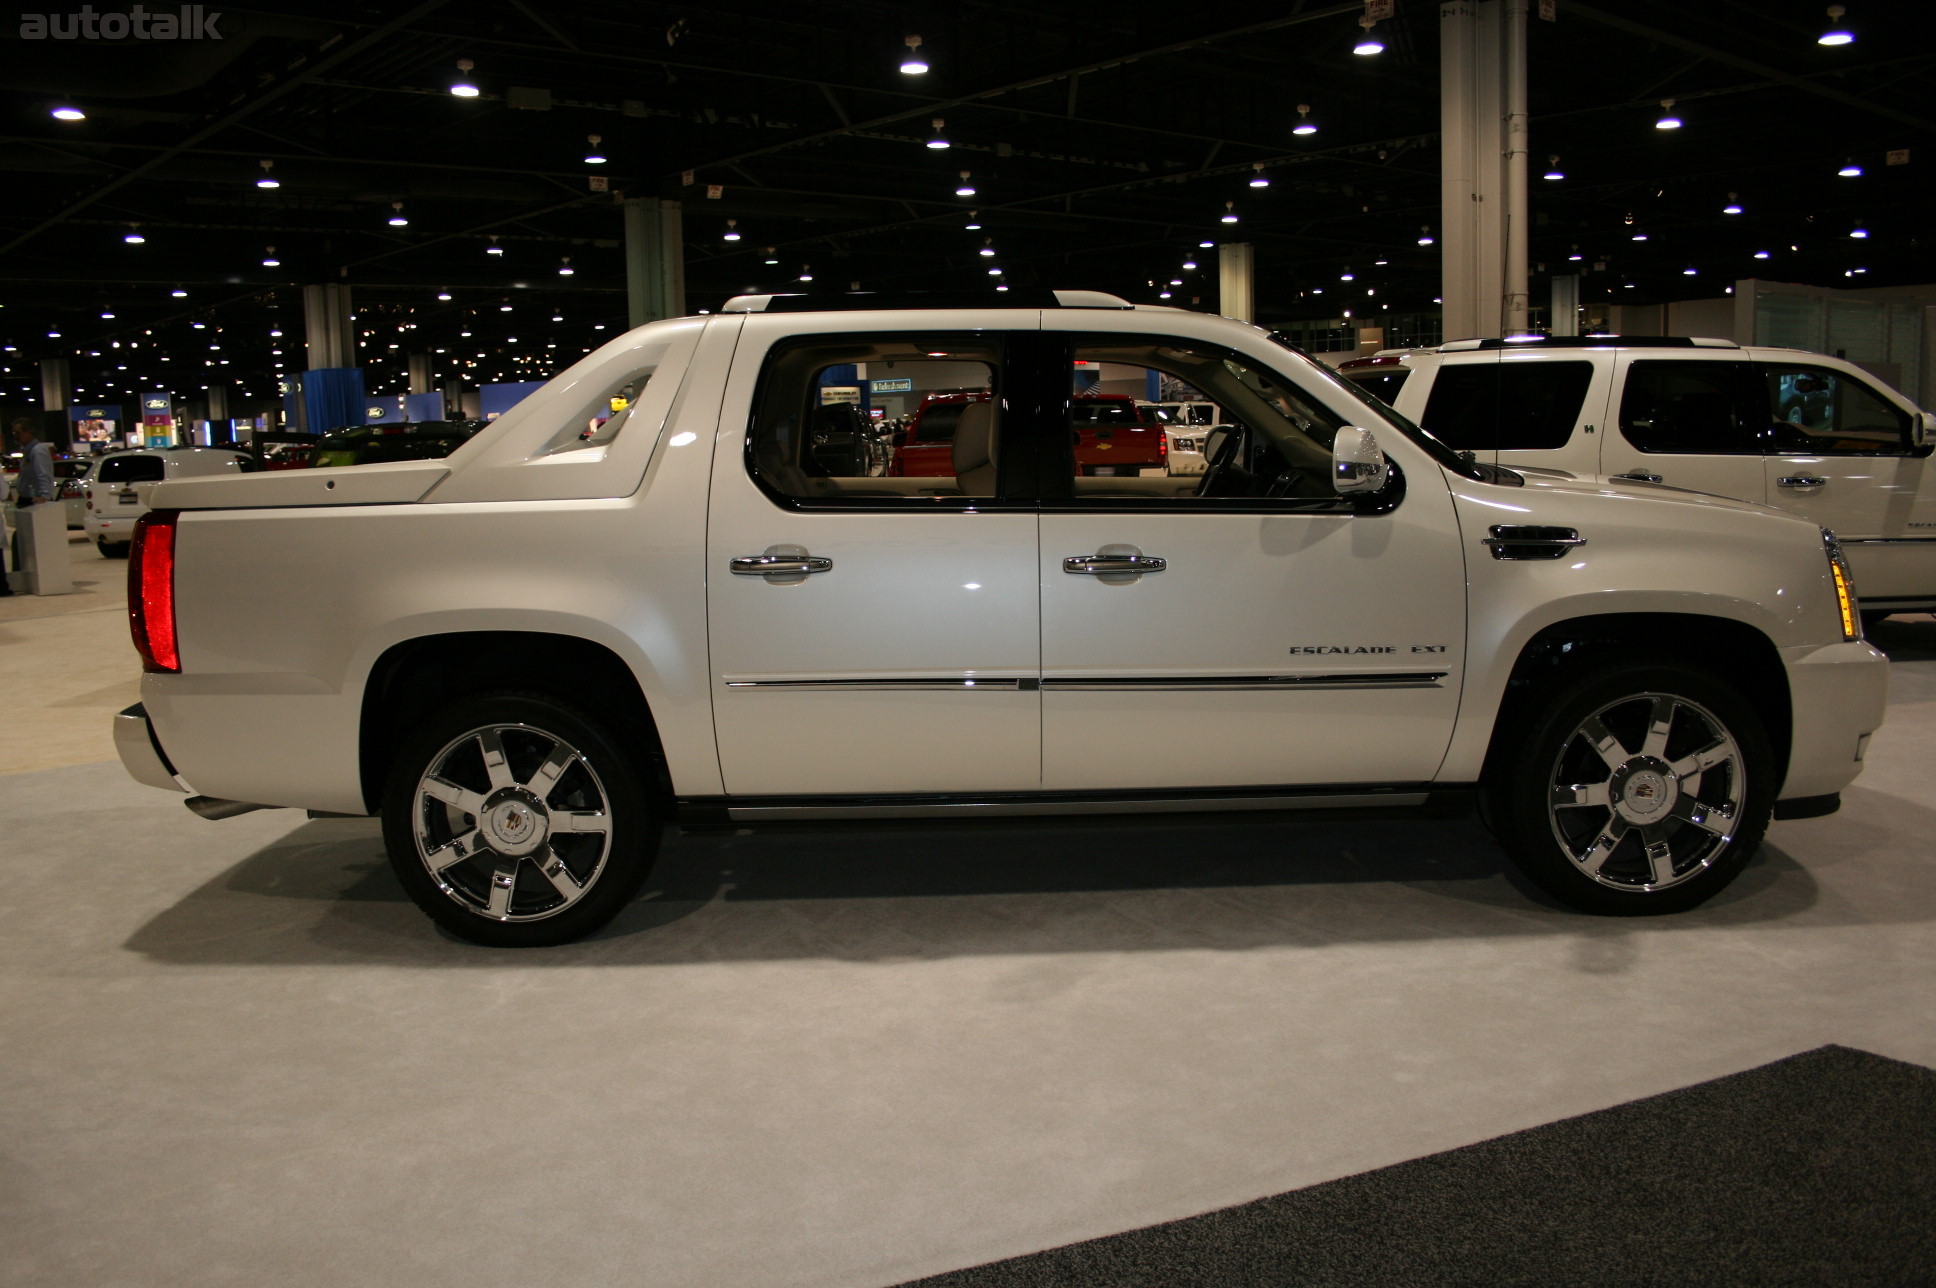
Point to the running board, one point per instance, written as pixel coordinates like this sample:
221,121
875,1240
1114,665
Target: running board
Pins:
722,811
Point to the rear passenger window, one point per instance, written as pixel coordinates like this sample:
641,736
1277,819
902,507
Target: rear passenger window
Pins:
1507,406
1691,407
877,419
131,469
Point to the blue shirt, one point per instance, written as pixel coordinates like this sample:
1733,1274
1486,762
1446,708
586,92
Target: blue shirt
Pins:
37,472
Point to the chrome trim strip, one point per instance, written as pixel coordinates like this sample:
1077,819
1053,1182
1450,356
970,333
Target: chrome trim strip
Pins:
1023,809
1211,683
1886,541
889,684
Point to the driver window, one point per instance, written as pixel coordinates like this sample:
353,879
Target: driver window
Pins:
1821,412
1157,419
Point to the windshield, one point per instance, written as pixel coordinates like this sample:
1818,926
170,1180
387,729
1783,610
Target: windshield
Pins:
1440,451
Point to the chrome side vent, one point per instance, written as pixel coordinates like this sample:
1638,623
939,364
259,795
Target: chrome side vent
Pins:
1531,541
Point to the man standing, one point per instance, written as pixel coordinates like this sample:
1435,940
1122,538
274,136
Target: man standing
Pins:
35,485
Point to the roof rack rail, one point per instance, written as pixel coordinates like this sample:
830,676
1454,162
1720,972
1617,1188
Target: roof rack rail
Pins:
1598,341
851,301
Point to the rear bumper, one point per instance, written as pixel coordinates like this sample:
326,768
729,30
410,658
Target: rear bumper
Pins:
141,753
1838,695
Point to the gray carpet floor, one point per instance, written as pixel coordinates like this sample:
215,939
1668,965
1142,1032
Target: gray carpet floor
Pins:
1815,1171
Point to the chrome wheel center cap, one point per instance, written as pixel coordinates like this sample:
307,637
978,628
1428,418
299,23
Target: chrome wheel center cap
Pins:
515,825
1644,792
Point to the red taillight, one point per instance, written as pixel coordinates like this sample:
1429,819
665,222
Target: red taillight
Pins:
151,590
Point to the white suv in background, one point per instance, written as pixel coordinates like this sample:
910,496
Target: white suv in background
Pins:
119,486
1813,435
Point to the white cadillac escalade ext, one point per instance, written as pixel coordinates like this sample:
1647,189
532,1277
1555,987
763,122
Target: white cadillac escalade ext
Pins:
585,624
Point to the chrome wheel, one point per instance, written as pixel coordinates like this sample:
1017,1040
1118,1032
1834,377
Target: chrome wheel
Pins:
1648,792
512,823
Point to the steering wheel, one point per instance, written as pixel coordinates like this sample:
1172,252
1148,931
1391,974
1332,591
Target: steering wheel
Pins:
1219,464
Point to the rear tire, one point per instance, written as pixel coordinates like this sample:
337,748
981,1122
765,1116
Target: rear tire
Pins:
517,821
113,549
1640,788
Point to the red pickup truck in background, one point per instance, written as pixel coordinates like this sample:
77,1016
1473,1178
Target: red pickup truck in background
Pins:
1113,436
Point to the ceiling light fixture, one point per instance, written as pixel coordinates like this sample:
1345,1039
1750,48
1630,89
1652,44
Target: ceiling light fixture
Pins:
1733,207
1850,170
1229,212
967,188
806,272
179,293
443,295
938,142
1258,180
592,155
1304,125
1553,170
269,259
1858,231
772,255
1347,275
1667,121
397,219
134,237
494,248
1425,235
66,112
1837,33
987,247
1761,254
732,231
1189,264
912,62
1368,43
268,179
463,87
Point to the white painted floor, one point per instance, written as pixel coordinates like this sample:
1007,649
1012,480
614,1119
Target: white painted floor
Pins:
235,1055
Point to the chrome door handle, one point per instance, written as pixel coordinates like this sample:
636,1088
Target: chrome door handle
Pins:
779,565
1102,565
1801,480
1639,476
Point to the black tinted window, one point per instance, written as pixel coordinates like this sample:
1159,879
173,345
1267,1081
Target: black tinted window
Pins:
1507,406
131,469
1690,407
937,422
1379,382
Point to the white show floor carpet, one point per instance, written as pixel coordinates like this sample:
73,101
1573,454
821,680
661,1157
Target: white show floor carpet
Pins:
234,1054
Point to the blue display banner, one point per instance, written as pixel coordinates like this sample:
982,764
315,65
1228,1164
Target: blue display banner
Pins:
387,410
423,406
94,411
326,398
494,400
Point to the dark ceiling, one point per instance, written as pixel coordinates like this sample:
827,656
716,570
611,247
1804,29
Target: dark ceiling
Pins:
1104,142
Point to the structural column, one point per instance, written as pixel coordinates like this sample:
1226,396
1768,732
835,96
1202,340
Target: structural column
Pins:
1483,153
1236,281
328,325
655,260
1563,308
55,381
420,382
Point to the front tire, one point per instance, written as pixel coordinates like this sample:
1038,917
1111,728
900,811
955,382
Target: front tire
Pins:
1642,788
517,821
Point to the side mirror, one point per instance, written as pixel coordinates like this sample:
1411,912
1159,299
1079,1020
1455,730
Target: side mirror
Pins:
1922,435
1356,463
